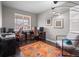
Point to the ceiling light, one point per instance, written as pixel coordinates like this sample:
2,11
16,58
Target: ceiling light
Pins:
55,2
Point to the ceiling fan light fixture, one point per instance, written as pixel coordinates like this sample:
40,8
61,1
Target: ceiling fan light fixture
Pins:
55,2
53,8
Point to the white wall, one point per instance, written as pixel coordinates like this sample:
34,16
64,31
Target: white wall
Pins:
74,19
9,17
51,32
0,15
74,23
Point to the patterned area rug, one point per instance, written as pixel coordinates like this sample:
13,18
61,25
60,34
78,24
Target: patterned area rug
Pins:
41,49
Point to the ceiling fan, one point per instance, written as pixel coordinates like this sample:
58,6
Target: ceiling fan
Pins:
57,7
56,2
56,13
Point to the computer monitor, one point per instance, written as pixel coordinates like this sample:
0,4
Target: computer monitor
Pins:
41,29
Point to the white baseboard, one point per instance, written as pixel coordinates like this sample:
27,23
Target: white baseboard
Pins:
54,41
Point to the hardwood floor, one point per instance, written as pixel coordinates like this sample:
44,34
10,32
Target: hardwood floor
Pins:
72,52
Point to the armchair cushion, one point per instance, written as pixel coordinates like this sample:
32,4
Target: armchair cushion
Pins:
67,41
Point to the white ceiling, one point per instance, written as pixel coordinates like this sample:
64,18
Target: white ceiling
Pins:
34,6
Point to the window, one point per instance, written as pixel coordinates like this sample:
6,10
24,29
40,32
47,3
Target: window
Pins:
22,21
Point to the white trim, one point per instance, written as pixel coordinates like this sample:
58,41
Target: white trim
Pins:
54,41
76,32
23,16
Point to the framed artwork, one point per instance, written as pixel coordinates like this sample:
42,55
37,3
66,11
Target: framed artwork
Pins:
59,24
49,22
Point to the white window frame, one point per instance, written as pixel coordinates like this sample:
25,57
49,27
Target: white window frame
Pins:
23,16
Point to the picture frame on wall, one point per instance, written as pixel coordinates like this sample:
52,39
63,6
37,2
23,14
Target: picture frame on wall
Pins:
59,23
48,22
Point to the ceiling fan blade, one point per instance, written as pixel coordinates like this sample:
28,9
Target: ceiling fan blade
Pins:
65,5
